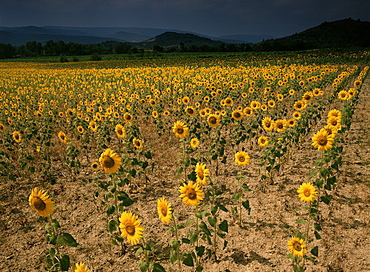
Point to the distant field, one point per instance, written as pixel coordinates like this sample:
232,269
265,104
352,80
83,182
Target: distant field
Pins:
225,139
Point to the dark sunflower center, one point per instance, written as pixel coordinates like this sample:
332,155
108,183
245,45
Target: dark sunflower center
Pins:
334,122
16,136
107,162
280,126
307,192
213,120
200,174
242,159
322,141
119,132
39,204
130,229
237,115
192,194
180,130
190,111
164,211
297,246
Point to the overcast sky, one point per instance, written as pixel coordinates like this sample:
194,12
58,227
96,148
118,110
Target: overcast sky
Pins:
209,17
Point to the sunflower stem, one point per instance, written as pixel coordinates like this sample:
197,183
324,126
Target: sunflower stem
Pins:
197,232
307,230
177,239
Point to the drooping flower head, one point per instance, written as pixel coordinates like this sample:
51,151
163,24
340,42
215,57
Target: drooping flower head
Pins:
242,158
110,161
164,210
307,192
202,173
180,129
191,194
297,247
130,227
41,202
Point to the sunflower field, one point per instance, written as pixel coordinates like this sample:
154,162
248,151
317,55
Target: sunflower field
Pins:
235,163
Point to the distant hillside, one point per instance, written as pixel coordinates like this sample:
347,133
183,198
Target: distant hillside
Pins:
173,39
244,38
338,34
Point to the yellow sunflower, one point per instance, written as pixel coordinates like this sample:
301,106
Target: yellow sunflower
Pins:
120,131
202,173
128,117
297,247
190,111
94,166
242,158
80,129
280,125
2,127
334,123
130,227
80,267
297,115
268,124
93,125
17,137
191,194
300,105
248,111
110,161
180,129
291,122
237,115
41,202
155,114
164,210
322,140
62,137
138,144
213,120
194,142
343,95
263,141
307,192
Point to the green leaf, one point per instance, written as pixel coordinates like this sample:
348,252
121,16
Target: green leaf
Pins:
313,173
133,173
224,226
247,206
125,199
204,228
158,268
317,235
200,250
199,268
144,266
326,199
185,241
315,251
188,260
246,187
236,197
317,226
64,263
173,256
212,221
225,244
148,155
193,238
301,221
175,244
192,176
66,239
110,209
223,208
112,226
214,210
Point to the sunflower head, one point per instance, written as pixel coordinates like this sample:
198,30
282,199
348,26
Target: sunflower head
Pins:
194,142
81,267
180,129
62,137
95,166
263,141
17,137
128,117
202,173
41,203
297,246
164,210
110,161
191,194
242,158
307,192
130,227
190,111
322,140
268,124
237,115
138,144
280,125
213,120
120,131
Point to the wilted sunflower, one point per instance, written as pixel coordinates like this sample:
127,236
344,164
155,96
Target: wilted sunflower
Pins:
120,131
190,111
93,125
17,137
62,137
202,173
128,117
280,125
164,210
180,129
242,158
268,124
213,120
41,202
194,142
334,123
322,140
191,194
263,141
307,192
237,115
297,247
138,144
80,267
110,161
130,227
94,166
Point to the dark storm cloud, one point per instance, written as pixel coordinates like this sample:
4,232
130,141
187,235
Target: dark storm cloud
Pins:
212,17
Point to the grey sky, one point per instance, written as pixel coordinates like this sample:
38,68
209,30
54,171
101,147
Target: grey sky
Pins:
210,17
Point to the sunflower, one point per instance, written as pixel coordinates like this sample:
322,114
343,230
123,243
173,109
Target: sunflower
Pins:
297,115
120,131
202,173
2,127
291,92
307,192
166,113
80,267
130,227
213,120
229,101
334,123
191,194
291,122
154,114
80,129
264,107
237,115
357,84
17,137
255,105
263,141
94,166
307,97
164,210
248,111
297,247
180,129
190,111
271,103
138,144
322,140
62,137
93,125
280,125
194,142
41,202
127,117
300,105
110,161
343,95
268,124
242,158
